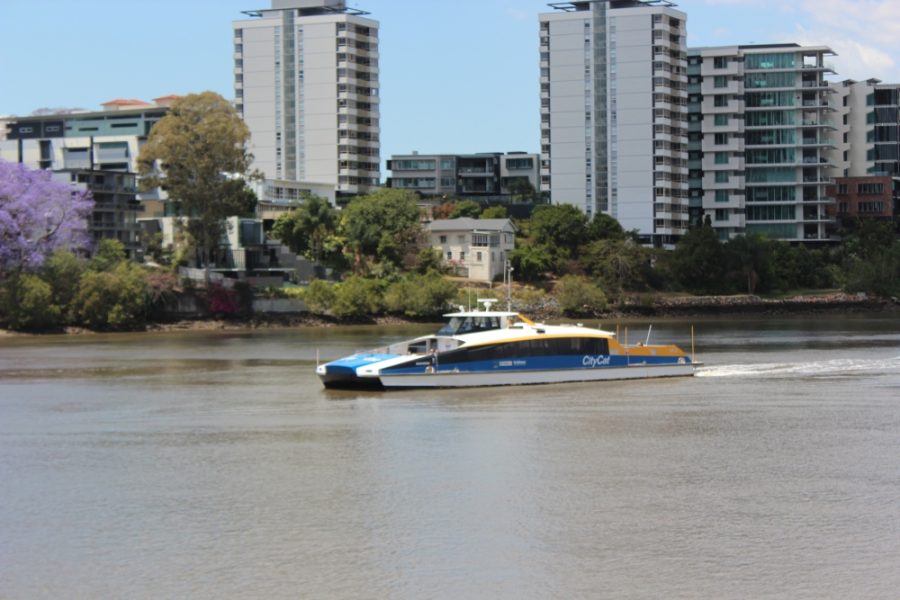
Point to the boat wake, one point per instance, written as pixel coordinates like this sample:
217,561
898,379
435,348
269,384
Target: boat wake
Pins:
839,367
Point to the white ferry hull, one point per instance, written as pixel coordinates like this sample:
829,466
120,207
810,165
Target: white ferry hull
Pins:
449,379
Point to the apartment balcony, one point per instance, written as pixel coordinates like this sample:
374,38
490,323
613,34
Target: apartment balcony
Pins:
820,104
818,200
734,144
817,143
824,67
733,87
709,164
708,70
817,180
734,184
732,106
818,219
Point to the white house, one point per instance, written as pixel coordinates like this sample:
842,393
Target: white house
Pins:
475,248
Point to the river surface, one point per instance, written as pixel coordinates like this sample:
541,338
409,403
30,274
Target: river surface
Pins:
214,465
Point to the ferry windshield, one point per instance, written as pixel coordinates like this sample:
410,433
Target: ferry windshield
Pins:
457,325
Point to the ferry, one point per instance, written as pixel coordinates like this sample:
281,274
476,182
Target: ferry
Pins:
486,347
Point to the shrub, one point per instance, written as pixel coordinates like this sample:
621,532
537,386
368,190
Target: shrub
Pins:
420,296
530,300
27,302
578,296
357,297
108,255
319,296
222,301
113,299
62,270
161,293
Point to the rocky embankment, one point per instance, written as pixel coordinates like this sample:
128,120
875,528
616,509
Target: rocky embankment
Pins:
750,304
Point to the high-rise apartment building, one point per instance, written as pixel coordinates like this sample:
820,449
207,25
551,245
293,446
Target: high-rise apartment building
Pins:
614,112
869,127
866,157
761,139
306,84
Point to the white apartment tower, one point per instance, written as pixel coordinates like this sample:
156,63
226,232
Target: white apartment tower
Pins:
614,112
762,138
306,84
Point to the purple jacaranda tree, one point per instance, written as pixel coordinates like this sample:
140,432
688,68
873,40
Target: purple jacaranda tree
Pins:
38,215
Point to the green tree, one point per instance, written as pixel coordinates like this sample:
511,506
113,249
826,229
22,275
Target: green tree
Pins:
605,227
383,226
530,262
62,270
749,260
430,260
319,296
114,299
795,267
868,238
621,264
198,154
26,303
494,212
879,274
466,208
420,295
308,229
107,255
562,227
357,297
698,261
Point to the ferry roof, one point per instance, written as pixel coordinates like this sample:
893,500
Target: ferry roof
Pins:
482,313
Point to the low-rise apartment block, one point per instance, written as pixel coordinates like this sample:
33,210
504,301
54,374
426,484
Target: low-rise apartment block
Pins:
489,175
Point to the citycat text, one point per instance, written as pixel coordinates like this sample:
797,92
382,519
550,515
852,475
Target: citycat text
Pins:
595,361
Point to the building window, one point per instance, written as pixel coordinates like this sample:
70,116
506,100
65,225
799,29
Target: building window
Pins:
443,239
462,256
721,120
720,101
449,255
721,214
721,176
720,62
721,195
721,139
478,256
720,81
870,188
721,158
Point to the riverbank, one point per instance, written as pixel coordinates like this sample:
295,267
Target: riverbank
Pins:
660,306
745,304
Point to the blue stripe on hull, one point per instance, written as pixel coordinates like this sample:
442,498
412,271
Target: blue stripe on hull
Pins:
541,363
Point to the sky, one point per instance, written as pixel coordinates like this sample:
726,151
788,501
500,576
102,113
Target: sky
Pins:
457,76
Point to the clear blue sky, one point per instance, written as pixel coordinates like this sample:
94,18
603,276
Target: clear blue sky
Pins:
457,76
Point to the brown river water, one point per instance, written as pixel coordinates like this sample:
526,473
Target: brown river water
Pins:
214,465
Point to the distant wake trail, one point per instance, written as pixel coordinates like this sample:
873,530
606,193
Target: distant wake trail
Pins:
825,368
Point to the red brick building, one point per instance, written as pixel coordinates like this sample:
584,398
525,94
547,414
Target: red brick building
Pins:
863,197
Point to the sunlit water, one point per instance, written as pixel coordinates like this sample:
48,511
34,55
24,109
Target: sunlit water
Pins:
213,465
